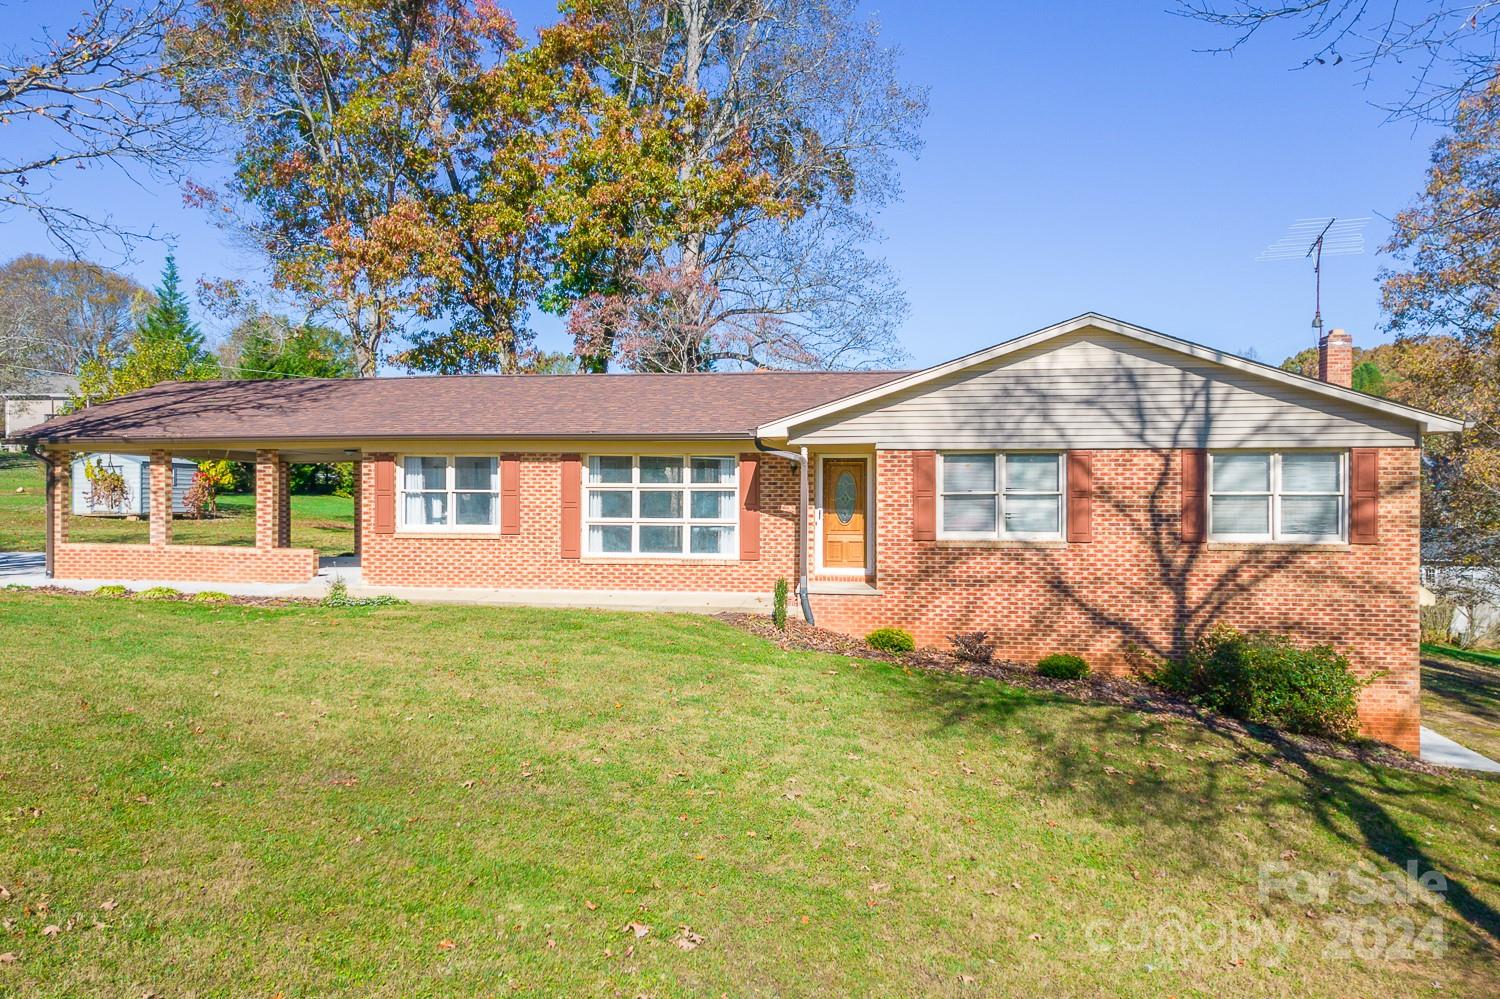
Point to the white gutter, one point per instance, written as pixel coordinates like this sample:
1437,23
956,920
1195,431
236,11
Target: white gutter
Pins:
802,583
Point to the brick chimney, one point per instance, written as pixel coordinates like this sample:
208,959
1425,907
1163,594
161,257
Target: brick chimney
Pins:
1336,358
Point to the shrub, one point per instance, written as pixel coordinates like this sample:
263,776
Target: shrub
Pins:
107,489
973,647
211,597
158,593
338,596
892,640
202,498
778,603
1437,623
112,590
1264,678
1063,666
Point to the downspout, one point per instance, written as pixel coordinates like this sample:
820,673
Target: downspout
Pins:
801,460
50,482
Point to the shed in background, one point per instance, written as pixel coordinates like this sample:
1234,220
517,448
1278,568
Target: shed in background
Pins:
136,469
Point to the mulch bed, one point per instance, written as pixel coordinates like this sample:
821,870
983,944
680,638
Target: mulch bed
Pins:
1116,691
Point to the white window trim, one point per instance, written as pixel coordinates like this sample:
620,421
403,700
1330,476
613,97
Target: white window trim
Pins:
1275,536
686,521
999,533
450,487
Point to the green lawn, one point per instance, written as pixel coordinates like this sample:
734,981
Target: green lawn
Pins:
222,800
1461,696
322,522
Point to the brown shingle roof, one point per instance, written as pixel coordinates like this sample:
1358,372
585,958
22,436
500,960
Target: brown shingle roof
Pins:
719,404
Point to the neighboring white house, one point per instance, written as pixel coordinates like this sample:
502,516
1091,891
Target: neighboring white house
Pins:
36,403
136,470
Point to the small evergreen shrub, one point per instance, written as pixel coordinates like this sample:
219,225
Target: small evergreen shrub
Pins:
1264,678
778,604
211,597
1063,666
973,647
158,593
112,590
892,640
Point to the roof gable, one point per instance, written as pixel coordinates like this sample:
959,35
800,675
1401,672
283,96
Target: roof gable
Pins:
1273,382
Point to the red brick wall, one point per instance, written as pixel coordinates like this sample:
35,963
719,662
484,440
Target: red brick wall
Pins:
1136,583
186,563
533,560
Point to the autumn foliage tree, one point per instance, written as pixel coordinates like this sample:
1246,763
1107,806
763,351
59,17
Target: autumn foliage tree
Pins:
800,101
1443,302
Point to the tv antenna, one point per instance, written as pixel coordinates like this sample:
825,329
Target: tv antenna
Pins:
1332,236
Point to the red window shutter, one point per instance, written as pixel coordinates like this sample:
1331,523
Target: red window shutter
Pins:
924,496
510,494
749,507
572,520
1080,496
385,494
1364,496
1194,496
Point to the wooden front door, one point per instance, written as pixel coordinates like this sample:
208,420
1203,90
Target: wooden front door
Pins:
844,513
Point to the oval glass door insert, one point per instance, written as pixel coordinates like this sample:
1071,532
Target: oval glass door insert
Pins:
844,497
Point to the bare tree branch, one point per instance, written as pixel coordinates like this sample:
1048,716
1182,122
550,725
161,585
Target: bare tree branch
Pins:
1449,48
103,93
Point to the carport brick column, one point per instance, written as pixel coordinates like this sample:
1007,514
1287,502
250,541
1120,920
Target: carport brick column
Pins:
159,508
359,502
61,496
283,504
268,507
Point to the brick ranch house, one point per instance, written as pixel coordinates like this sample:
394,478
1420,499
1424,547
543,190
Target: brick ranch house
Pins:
1089,487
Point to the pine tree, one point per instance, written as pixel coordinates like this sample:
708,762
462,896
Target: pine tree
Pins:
169,321
168,346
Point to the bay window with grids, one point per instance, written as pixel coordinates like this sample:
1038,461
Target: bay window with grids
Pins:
451,493
655,505
1015,494
1277,496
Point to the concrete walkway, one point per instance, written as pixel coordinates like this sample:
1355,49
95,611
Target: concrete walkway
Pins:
1441,751
29,569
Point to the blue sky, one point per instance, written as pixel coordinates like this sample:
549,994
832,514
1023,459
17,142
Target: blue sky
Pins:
1081,156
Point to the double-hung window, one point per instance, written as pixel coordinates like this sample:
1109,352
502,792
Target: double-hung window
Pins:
661,505
1008,495
1277,496
450,493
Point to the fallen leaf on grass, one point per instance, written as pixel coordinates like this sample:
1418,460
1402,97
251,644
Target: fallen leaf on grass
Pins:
686,939
51,930
9,957
109,905
446,945
639,929
591,906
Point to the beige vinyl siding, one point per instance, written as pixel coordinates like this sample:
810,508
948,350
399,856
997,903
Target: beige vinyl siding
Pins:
1095,389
